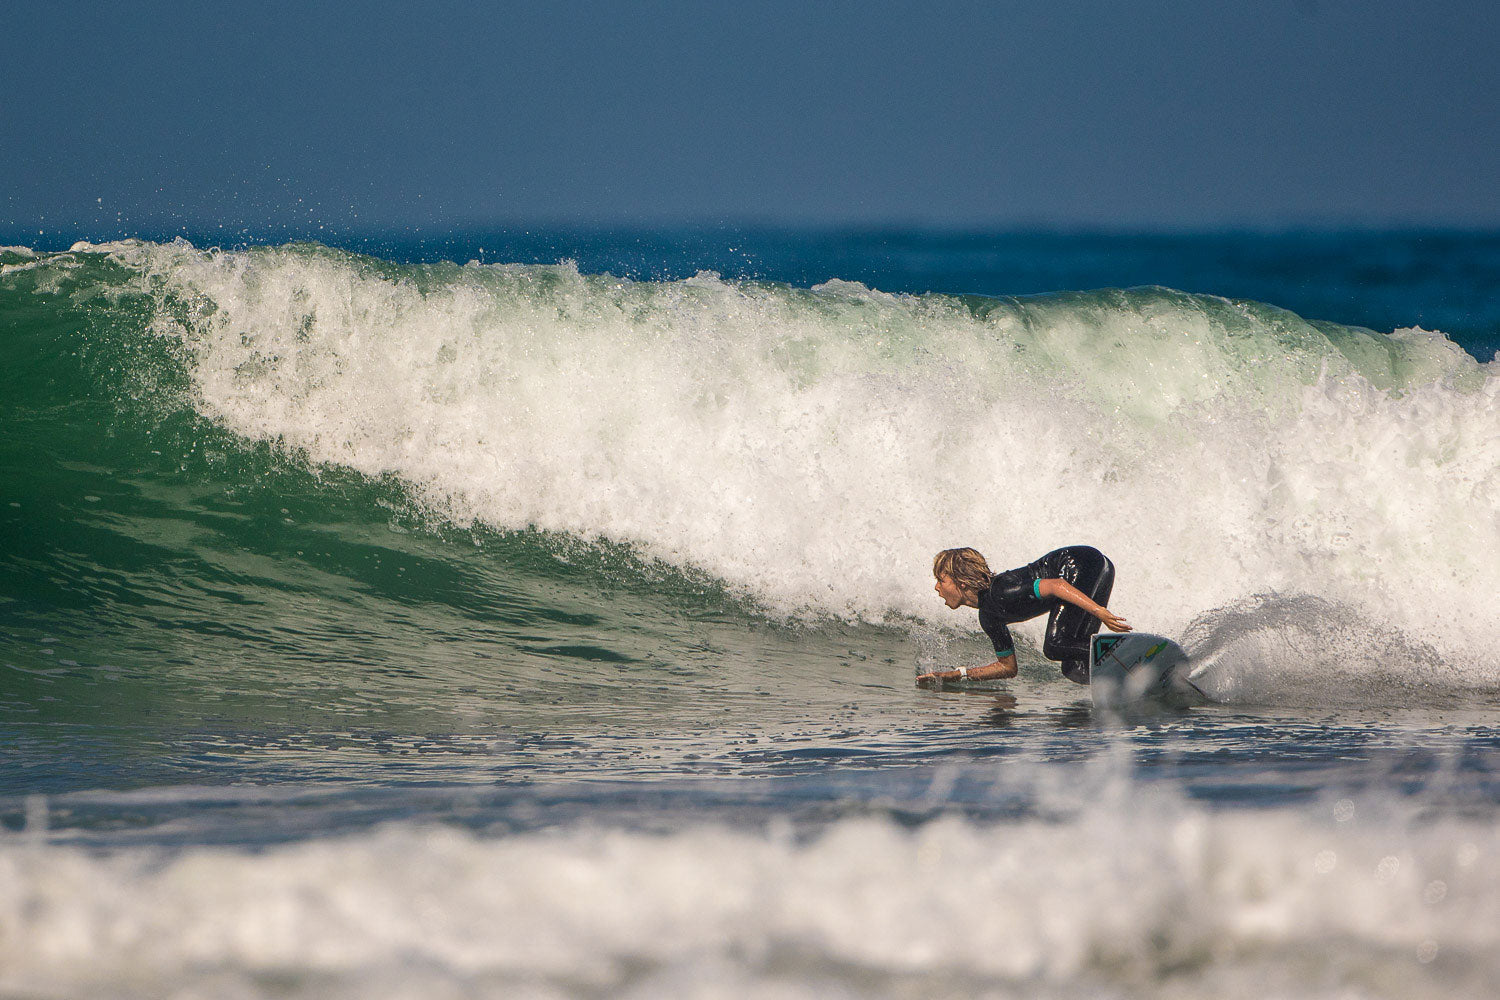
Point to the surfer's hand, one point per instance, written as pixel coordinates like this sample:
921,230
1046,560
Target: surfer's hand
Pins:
938,677
1113,621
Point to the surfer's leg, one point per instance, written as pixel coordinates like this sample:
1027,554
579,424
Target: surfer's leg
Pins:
1069,627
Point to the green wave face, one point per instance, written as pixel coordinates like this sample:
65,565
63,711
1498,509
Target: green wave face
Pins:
161,569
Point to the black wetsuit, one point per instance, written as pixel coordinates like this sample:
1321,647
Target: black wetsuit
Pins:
1012,597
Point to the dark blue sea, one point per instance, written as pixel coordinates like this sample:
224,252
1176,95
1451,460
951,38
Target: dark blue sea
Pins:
535,613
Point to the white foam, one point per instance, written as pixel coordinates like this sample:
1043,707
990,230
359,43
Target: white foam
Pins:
1138,894
815,447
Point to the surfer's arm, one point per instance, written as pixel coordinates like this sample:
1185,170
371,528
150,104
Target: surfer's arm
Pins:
1004,667
1063,590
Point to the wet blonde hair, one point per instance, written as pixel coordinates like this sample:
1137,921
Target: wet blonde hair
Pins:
964,567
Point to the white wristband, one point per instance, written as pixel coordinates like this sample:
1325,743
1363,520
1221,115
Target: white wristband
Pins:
963,673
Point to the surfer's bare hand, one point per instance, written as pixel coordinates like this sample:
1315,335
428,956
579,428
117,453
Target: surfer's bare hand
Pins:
1113,621
928,680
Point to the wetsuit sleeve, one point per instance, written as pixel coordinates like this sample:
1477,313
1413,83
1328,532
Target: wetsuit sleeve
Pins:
999,636
1004,645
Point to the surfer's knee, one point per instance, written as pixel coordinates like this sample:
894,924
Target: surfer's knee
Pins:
1058,648
1076,671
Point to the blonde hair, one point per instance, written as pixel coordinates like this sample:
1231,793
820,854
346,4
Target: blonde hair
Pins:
964,567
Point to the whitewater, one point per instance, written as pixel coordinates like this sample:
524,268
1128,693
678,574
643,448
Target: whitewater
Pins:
384,626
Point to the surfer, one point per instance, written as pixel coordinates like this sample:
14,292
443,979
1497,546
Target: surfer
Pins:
1070,585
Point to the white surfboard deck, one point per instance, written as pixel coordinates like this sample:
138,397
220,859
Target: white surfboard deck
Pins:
1137,668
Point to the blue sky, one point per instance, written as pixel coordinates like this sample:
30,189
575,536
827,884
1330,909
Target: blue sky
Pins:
1151,114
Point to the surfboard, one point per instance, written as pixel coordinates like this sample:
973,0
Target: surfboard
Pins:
1135,668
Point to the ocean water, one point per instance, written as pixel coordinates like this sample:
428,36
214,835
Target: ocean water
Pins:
535,614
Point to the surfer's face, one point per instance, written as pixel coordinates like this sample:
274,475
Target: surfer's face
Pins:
950,592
